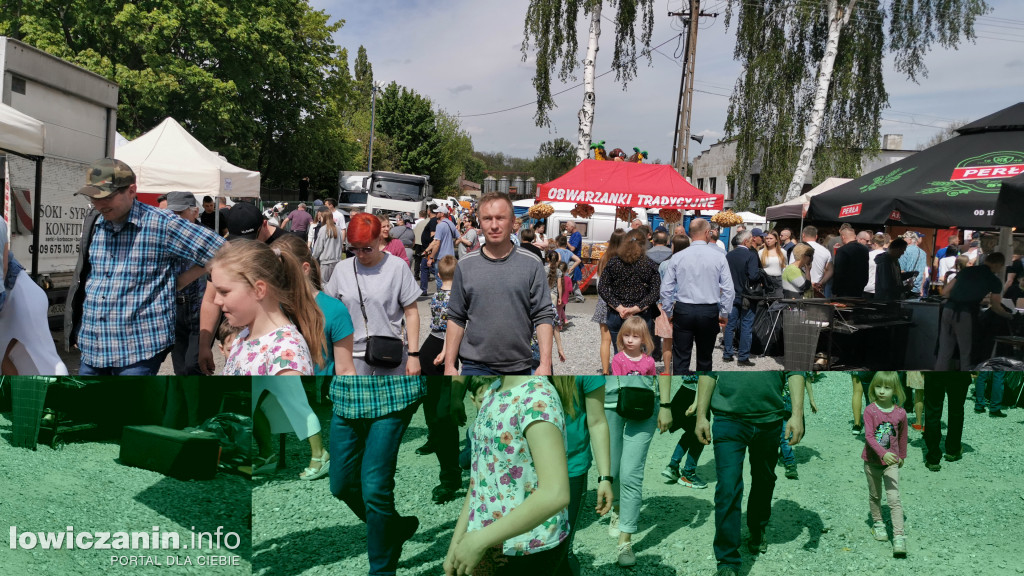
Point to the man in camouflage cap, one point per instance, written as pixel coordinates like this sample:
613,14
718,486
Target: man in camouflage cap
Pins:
121,306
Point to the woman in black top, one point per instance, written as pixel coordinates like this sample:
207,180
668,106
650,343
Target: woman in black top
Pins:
630,284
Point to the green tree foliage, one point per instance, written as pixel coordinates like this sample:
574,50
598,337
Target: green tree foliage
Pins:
549,32
781,43
554,158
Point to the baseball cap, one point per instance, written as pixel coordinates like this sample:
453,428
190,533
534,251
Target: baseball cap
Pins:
105,177
318,203
911,235
661,229
757,232
244,220
180,201
442,209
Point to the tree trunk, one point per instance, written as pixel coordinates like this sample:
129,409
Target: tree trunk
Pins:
837,18
586,114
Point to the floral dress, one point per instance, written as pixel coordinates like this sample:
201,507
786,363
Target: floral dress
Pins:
502,475
270,354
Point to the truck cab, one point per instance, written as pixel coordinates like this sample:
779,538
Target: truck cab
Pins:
381,191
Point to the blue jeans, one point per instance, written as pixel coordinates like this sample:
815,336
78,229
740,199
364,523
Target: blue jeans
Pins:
745,320
147,367
364,455
425,272
470,368
732,439
787,451
984,378
629,441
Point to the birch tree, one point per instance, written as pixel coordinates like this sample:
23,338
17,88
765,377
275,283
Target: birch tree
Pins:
812,90
550,33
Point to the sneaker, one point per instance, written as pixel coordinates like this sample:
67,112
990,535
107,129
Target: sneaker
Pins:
443,494
791,472
747,363
726,571
979,409
626,556
878,531
918,427
933,467
613,524
671,472
757,544
425,450
954,457
857,429
997,414
727,358
899,546
692,481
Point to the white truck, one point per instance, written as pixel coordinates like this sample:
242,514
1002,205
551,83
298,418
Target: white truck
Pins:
381,191
79,111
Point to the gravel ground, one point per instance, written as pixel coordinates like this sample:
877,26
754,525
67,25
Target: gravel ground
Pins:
82,485
962,520
581,340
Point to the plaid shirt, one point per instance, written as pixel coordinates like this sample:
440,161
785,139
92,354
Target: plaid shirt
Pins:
375,396
128,311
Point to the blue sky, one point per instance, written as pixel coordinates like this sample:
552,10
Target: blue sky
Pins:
465,56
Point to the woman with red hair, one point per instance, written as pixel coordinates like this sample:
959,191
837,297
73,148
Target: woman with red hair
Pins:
379,290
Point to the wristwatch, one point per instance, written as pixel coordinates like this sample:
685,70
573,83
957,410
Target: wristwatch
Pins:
666,404
610,479
414,354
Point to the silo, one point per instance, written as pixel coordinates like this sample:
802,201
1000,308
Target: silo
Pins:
531,187
490,184
518,183
503,184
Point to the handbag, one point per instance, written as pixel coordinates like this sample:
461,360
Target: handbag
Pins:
635,403
381,351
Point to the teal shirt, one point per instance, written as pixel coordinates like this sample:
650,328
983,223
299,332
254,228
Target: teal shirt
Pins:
577,434
751,396
337,326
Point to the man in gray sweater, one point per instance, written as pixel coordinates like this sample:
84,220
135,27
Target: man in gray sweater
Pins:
749,413
499,297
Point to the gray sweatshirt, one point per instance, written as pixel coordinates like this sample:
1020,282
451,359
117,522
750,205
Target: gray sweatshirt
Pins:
327,250
500,303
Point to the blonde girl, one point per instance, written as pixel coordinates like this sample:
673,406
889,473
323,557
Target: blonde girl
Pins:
635,347
327,245
601,310
517,451
885,450
265,293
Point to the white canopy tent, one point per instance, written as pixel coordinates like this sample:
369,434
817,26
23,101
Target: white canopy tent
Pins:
168,159
24,136
797,207
21,134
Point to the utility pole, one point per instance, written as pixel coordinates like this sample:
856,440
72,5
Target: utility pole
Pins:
681,145
373,112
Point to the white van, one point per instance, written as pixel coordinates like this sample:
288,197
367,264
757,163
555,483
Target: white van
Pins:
597,228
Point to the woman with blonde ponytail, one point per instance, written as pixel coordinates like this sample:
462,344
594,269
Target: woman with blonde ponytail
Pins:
265,292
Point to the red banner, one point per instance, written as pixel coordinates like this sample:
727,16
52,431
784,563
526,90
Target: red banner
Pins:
850,210
986,172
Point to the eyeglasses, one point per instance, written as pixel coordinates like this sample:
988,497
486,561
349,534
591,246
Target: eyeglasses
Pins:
364,250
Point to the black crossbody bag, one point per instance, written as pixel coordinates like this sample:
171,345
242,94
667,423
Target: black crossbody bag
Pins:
634,403
381,351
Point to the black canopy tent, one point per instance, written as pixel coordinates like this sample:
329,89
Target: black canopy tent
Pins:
954,183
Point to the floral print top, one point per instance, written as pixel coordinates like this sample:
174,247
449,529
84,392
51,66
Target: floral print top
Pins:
502,475
283,349
439,313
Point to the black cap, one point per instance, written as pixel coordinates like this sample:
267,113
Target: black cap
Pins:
244,221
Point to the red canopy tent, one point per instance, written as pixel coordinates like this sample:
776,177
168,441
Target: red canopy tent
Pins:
627,184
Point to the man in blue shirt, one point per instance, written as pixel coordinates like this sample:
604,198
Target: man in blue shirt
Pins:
575,245
697,296
128,274
914,260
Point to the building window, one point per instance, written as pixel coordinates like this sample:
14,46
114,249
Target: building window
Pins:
700,183
712,184
754,179
17,85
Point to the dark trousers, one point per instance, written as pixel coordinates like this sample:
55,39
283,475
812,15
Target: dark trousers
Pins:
442,431
732,439
364,456
570,565
935,391
693,324
185,354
